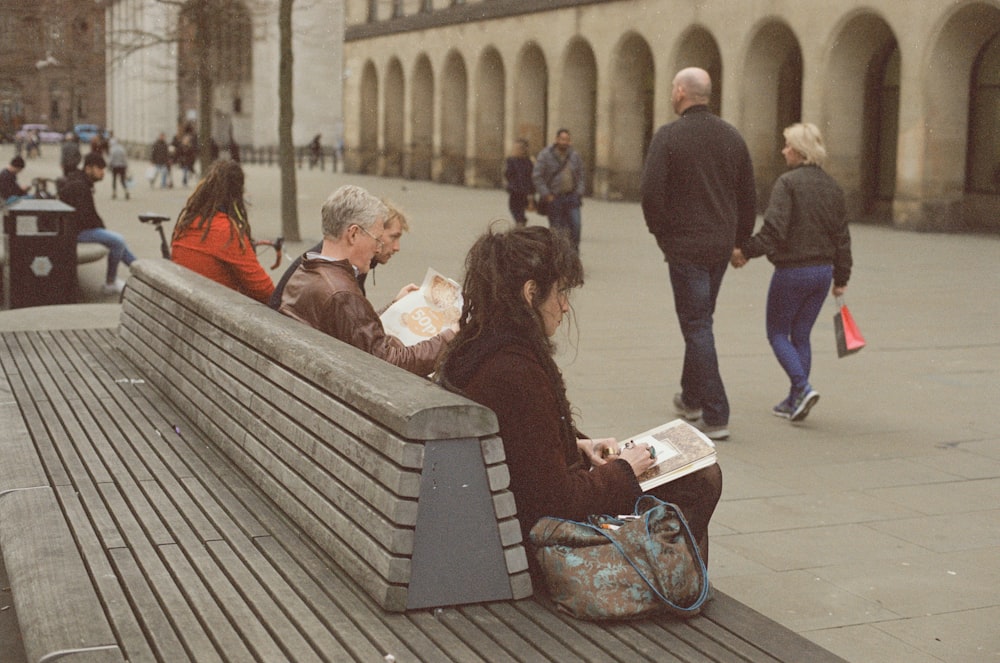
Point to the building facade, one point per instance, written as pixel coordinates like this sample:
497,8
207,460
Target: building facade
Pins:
156,55
51,64
907,94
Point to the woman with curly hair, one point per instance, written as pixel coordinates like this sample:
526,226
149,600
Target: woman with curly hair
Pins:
212,235
515,294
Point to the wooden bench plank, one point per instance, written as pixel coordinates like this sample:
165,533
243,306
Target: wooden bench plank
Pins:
274,637
159,633
289,599
57,606
183,581
706,635
120,610
327,594
764,633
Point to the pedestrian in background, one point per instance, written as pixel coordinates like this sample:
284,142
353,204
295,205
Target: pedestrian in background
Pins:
161,163
69,154
521,190
118,161
806,238
558,179
698,196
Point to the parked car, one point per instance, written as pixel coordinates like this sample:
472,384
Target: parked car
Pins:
86,132
45,134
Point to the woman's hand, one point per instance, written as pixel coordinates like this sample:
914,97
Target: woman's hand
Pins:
639,456
839,290
600,451
604,450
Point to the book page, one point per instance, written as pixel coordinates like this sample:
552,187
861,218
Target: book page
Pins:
425,312
680,449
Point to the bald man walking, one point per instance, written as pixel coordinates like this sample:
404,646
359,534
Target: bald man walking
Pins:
699,201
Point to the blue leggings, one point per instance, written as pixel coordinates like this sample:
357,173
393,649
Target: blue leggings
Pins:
794,301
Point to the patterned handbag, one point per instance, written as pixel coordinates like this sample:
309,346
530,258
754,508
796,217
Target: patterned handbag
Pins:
623,567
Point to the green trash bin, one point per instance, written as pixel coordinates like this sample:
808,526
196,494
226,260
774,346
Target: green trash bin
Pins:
40,248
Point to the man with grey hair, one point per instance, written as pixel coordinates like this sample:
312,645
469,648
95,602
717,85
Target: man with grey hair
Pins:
699,201
324,292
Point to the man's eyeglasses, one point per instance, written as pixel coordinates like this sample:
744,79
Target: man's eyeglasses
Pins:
379,246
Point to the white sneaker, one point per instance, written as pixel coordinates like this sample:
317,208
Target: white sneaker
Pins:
113,288
689,413
713,432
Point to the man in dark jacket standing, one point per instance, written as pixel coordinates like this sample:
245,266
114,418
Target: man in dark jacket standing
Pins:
699,201
559,180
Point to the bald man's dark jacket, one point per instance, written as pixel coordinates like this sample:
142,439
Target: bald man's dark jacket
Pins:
698,194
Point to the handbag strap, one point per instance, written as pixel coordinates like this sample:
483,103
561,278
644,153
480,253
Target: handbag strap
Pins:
562,167
702,570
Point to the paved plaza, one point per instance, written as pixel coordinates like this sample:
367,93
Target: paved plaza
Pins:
872,528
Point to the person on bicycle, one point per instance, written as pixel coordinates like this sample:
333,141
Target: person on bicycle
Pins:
212,235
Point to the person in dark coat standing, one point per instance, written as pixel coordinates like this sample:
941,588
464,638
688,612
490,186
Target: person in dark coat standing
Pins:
699,201
559,180
521,190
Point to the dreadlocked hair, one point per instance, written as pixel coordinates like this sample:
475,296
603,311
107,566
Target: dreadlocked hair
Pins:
220,191
496,269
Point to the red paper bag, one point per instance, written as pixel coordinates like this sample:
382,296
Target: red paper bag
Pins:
849,338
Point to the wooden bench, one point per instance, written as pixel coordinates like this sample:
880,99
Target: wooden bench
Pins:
214,481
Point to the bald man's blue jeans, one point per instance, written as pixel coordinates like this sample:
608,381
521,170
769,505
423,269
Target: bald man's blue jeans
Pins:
696,288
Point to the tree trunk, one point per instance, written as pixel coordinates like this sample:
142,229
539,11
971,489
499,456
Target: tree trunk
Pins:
206,84
286,114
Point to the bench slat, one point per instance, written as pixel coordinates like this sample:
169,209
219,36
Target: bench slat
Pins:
57,606
163,641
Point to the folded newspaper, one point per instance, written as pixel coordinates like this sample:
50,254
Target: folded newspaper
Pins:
680,449
425,312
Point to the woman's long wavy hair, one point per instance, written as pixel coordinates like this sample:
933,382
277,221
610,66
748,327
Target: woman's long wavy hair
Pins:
496,269
220,191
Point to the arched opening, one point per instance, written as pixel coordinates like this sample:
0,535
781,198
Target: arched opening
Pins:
368,120
422,120
697,48
531,97
961,135
392,120
773,100
632,88
578,102
454,120
490,120
861,114
983,171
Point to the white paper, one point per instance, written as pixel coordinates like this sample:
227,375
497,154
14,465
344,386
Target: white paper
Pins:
425,312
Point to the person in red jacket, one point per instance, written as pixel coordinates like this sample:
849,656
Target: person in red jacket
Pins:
212,235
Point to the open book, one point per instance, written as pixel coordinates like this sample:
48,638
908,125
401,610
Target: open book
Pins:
425,312
680,450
